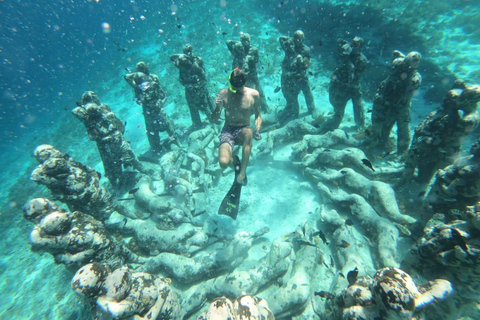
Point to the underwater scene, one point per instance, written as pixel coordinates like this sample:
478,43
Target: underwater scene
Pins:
250,159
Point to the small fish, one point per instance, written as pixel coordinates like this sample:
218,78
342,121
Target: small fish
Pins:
404,230
125,124
421,194
341,275
78,104
368,164
352,276
266,33
144,86
322,236
387,153
325,294
332,263
456,212
99,175
349,222
458,239
344,244
310,73
179,26
369,111
305,243
125,222
288,235
346,134
214,24
224,33
277,89
128,70
133,191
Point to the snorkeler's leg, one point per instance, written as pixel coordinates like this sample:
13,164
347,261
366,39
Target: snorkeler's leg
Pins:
225,155
246,136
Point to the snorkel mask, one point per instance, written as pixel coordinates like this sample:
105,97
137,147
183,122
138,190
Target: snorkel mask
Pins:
230,81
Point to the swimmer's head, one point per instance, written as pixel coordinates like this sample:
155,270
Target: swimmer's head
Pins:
237,79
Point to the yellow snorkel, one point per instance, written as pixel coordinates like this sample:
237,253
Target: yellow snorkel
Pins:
230,83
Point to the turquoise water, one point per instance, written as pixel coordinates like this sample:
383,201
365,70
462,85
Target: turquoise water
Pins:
52,52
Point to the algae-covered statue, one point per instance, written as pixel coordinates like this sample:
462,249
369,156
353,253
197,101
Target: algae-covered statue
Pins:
295,76
107,131
151,96
345,83
246,57
438,139
392,101
71,182
194,78
125,294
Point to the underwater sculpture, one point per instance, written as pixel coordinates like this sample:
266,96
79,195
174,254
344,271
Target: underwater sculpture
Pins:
294,76
246,57
390,294
107,131
193,77
345,84
438,138
449,249
392,101
293,130
343,182
457,185
151,96
125,294
73,238
244,307
71,182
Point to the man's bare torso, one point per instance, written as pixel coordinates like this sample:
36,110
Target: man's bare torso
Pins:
238,106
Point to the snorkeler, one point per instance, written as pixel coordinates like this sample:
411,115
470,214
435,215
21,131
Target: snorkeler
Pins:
239,102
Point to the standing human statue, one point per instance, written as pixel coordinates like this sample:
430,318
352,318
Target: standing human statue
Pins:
107,131
194,79
345,84
246,57
392,101
151,96
294,76
438,139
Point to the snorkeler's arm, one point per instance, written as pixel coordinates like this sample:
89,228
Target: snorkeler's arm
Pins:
258,116
218,108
